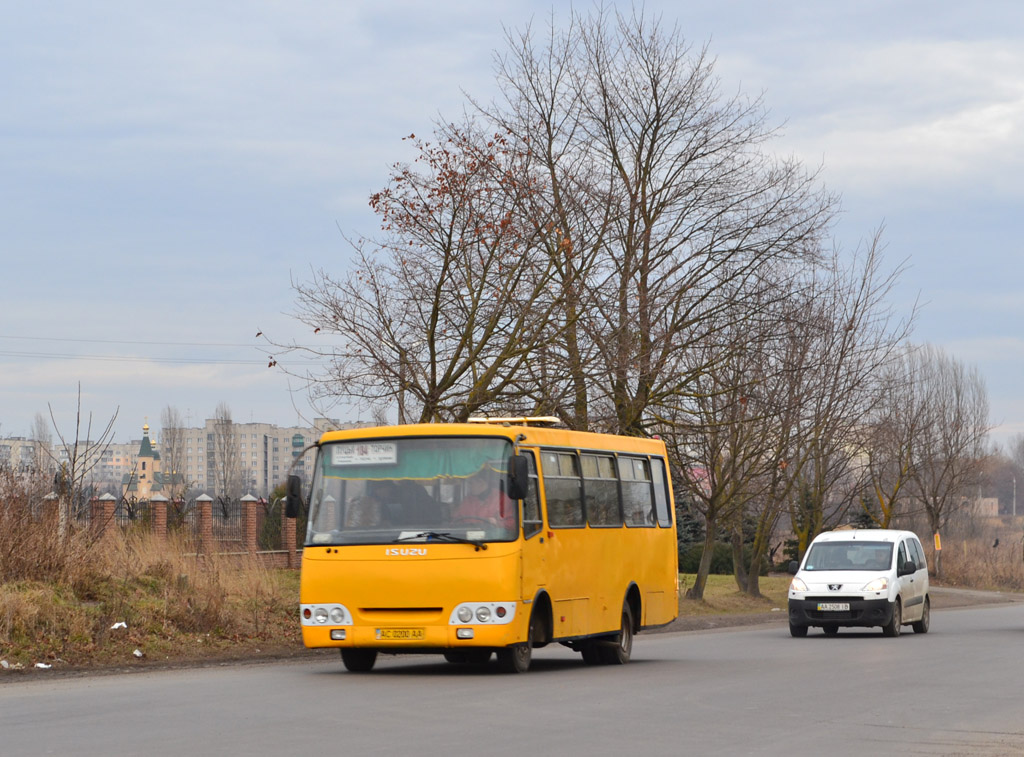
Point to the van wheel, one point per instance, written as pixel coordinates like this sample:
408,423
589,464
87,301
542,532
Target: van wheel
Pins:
617,652
922,625
359,660
797,631
831,629
892,628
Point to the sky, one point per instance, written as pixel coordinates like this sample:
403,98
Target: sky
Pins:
167,171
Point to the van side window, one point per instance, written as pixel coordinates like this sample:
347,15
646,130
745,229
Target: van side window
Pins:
902,558
917,553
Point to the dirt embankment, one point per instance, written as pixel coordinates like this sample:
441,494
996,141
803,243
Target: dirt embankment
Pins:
943,598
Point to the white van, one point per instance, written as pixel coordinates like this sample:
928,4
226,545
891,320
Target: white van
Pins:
860,577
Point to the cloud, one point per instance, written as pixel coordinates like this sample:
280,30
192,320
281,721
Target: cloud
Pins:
912,113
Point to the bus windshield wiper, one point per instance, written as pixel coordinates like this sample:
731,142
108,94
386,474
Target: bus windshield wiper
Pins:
443,536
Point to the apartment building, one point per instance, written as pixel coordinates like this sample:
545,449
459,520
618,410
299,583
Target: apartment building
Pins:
25,455
254,457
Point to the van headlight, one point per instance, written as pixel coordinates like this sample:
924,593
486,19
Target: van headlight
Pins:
879,584
797,584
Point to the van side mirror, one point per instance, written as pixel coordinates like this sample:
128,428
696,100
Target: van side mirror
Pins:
794,566
518,477
293,496
909,568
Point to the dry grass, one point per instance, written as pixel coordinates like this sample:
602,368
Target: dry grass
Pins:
978,561
721,597
131,599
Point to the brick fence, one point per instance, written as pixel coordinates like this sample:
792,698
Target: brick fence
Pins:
103,519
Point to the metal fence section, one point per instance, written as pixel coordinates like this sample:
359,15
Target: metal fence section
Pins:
247,526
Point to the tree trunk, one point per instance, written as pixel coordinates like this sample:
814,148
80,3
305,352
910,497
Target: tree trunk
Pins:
739,569
700,581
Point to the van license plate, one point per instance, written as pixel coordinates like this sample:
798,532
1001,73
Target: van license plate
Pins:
833,606
401,634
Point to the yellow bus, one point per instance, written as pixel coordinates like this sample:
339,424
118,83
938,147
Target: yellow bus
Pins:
497,536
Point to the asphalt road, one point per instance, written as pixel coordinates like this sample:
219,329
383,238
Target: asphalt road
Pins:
742,690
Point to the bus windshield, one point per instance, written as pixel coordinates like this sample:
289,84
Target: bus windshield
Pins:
377,491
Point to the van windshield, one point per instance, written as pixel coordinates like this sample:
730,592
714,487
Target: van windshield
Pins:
849,555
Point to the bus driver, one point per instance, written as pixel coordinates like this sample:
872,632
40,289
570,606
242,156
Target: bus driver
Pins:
485,502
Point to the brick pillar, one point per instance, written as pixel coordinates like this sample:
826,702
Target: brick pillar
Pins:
95,517
251,514
159,510
204,503
107,506
288,539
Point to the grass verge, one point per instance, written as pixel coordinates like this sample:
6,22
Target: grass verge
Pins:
721,597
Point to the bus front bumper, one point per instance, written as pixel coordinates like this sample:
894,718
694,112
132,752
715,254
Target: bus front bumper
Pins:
399,638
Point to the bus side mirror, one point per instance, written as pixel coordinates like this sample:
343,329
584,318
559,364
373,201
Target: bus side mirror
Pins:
518,476
293,497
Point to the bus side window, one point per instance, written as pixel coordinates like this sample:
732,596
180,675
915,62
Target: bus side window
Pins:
637,498
601,489
531,502
562,489
661,509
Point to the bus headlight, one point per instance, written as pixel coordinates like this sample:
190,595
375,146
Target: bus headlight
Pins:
325,615
489,613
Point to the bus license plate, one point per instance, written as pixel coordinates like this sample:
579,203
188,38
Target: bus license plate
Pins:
833,606
401,634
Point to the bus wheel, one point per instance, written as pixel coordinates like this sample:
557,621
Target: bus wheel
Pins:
359,660
591,652
617,652
469,656
517,658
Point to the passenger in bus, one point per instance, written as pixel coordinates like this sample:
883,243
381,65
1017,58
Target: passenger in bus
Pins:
418,507
369,510
363,512
485,503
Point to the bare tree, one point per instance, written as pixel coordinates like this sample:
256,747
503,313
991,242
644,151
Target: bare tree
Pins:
444,309
227,456
80,458
172,446
949,446
1016,451
665,198
615,210
1016,454
848,333
725,443
43,440
887,440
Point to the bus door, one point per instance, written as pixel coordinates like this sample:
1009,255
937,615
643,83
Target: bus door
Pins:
532,557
